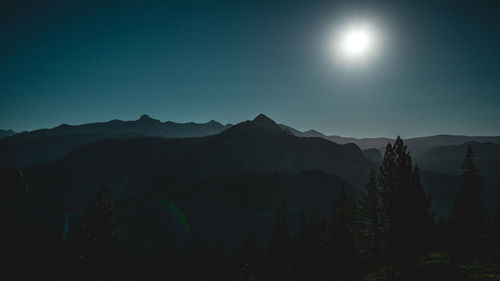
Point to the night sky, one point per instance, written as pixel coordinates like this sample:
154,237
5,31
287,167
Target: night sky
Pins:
437,69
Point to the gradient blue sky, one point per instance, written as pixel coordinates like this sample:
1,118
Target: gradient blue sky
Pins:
85,61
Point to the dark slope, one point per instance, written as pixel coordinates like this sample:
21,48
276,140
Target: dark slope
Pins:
225,207
15,198
21,242
261,145
373,154
254,146
46,145
147,167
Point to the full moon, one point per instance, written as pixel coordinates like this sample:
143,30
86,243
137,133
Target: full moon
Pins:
354,43
357,42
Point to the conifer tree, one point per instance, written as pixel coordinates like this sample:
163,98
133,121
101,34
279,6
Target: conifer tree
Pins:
339,249
406,220
306,250
279,247
250,257
469,212
370,220
420,230
100,245
388,183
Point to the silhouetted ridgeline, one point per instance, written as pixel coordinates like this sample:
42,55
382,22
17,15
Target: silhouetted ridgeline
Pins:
46,145
416,146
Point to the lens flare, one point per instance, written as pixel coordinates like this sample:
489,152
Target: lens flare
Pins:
178,214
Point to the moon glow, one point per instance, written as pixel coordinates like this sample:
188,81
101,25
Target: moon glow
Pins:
357,42
354,44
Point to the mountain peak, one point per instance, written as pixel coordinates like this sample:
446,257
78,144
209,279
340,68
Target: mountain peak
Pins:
266,123
258,126
145,117
262,119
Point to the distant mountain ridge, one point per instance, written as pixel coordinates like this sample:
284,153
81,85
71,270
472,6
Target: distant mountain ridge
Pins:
46,145
144,126
6,133
416,145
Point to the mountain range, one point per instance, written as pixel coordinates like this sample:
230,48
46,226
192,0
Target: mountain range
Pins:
216,174
254,160
46,145
416,146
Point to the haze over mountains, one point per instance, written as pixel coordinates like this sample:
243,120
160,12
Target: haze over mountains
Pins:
47,145
416,145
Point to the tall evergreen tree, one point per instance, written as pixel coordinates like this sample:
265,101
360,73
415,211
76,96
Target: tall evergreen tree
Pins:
339,249
388,183
306,249
100,245
250,257
423,219
469,211
405,215
280,266
370,220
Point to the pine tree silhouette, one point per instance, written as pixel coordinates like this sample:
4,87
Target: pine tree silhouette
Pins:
100,244
370,213
469,212
279,247
305,250
339,249
406,221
